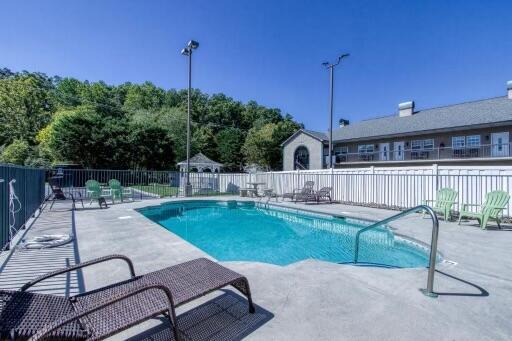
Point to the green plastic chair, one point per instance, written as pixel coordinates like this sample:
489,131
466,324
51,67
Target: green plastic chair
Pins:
445,199
118,191
492,208
94,191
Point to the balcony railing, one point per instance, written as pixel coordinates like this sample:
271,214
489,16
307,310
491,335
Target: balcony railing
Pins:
442,153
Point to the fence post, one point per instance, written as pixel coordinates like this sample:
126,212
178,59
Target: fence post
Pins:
435,172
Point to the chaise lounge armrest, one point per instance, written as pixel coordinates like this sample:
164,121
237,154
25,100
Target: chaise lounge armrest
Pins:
79,266
40,334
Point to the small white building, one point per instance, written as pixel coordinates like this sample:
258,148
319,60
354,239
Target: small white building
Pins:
201,164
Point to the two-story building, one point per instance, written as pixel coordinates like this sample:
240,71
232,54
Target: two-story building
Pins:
476,132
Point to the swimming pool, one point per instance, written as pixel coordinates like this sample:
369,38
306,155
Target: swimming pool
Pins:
248,231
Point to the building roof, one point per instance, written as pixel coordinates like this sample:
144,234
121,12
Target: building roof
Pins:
487,112
199,159
314,134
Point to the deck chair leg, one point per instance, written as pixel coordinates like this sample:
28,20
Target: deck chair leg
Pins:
498,222
53,202
171,316
243,287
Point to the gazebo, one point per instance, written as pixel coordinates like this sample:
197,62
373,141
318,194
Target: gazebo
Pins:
200,163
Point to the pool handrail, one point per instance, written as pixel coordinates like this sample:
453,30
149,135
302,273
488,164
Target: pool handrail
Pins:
429,291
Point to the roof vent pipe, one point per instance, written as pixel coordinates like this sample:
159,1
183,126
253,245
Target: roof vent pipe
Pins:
509,89
406,109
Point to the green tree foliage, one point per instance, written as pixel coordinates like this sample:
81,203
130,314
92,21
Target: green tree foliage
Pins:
17,152
204,141
263,144
131,125
151,147
229,147
145,96
26,104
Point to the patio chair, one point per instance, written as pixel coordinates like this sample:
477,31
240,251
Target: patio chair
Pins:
118,191
492,208
94,191
445,199
307,189
323,194
59,194
103,312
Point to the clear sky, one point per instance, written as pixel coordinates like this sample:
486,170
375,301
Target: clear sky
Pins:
433,52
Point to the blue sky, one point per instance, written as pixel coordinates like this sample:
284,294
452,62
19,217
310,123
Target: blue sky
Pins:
433,52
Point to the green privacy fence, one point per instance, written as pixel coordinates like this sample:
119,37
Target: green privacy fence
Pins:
22,191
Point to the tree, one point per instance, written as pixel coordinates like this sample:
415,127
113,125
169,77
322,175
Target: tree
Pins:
151,147
26,106
204,141
145,96
133,125
16,153
263,145
229,148
85,137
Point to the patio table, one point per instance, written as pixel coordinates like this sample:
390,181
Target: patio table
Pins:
255,185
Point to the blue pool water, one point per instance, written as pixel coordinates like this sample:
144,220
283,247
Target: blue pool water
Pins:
244,231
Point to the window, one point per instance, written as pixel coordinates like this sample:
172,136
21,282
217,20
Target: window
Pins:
473,141
458,142
365,148
301,158
341,150
427,144
340,154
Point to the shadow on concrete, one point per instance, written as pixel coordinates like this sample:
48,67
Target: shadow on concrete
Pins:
482,291
24,265
223,318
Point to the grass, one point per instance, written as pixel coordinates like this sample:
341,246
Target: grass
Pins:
167,191
160,190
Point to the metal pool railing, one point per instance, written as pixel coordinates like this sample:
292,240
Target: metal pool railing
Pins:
22,192
429,291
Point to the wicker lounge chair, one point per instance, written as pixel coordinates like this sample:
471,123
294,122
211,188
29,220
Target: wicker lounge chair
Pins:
307,189
106,311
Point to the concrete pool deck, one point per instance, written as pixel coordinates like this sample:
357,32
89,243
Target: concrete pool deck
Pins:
308,300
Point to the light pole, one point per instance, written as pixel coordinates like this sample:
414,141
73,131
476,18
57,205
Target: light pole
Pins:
187,51
331,67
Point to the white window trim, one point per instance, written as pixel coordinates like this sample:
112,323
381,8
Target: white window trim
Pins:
458,145
473,145
420,145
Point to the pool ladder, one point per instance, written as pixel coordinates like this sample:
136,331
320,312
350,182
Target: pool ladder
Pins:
429,291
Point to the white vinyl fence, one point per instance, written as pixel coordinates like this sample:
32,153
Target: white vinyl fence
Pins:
395,188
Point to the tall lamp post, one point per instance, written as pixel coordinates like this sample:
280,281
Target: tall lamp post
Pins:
330,67
187,51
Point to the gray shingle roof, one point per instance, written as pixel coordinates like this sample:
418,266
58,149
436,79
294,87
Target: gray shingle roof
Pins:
483,112
317,134
200,159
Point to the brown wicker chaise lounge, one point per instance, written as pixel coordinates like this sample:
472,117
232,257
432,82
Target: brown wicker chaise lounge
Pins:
103,312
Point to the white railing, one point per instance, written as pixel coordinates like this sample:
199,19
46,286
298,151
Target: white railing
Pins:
441,153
